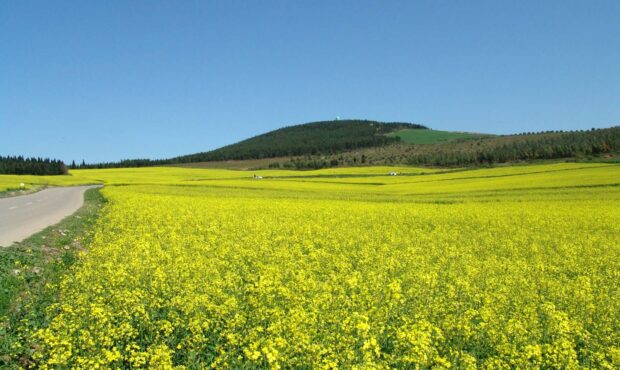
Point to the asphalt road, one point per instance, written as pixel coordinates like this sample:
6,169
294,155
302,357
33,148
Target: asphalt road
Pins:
24,215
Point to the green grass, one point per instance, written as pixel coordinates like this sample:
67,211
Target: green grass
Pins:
7,193
421,136
28,269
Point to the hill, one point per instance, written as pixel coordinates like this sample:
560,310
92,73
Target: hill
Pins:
316,138
362,142
595,144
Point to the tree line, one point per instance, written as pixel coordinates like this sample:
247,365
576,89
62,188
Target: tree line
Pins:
562,145
19,165
123,163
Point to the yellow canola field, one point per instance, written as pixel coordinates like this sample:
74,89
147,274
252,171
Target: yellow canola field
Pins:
178,175
13,182
188,269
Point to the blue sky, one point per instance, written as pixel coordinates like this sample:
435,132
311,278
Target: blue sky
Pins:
106,80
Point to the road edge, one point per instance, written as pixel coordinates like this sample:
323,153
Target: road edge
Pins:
29,274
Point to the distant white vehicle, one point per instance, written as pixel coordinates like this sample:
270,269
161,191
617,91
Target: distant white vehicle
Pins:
256,177
393,174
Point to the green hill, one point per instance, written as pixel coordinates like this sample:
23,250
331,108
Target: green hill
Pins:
363,142
326,137
591,145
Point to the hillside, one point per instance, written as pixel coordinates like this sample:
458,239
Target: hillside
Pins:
429,136
520,147
361,142
599,145
326,137
575,145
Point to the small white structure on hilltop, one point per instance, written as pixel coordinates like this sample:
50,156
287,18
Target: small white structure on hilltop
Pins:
393,174
337,118
257,177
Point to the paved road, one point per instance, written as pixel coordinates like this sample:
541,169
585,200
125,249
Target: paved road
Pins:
24,215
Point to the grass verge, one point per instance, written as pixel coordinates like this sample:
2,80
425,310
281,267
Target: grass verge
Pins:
30,270
6,193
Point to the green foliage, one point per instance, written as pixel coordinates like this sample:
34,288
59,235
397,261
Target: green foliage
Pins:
525,147
326,137
19,165
126,163
416,136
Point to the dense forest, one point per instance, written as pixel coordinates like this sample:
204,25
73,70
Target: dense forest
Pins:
529,147
327,137
125,163
19,165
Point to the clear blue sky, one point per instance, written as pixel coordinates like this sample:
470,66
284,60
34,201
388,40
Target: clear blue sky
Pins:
105,80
